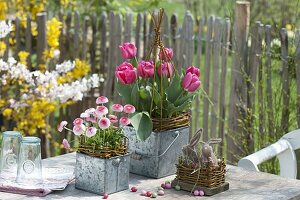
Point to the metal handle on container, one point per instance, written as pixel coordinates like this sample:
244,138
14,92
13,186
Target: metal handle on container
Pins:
138,156
116,162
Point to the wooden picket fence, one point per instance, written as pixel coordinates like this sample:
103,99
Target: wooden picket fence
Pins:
228,91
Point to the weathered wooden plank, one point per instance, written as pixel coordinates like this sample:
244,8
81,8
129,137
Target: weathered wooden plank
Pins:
208,54
165,31
6,41
145,35
297,61
128,27
76,35
138,33
269,81
69,40
222,102
93,46
285,115
41,37
109,79
216,77
189,40
237,103
117,54
198,64
103,49
17,36
174,38
28,39
182,49
254,65
84,37
61,38
260,92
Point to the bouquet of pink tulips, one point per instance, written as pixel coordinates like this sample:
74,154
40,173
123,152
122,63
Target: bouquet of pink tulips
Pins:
97,128
155,88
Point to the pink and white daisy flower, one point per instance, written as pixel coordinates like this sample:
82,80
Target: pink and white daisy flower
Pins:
128,108
66,144
100,111
91,131
91,119
117,107
62,125
79,129
101,100
104,123
124,121
113,119
84,115
77,122
90,111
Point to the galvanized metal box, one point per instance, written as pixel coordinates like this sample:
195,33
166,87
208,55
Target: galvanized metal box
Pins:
100,176
156,157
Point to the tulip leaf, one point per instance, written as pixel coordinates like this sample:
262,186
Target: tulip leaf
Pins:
124,91
184,98
135,94
172,108
175,89
142,124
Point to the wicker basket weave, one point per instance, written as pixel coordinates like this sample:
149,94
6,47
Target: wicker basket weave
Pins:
163,124
104,152
205,177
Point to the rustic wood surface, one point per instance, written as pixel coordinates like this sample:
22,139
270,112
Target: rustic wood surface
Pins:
243,185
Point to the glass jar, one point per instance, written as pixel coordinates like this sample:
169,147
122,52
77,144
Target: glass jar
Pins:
29,161
9,153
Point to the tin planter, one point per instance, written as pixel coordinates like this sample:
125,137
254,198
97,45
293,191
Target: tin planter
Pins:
100,175
157,156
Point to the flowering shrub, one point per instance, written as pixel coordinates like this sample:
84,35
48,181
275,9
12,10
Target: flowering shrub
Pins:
97,127
156,89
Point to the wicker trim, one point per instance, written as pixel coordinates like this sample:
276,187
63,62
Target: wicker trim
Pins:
163,124
104,152
205,177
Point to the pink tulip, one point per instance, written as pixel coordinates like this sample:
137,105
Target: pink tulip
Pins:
190,82
125,73
124,121
79,129
113,119
62,125
100,111
117,107
146,69
193,70
166,54
91,119
90,111
129,108
66,144
84,115
91,131
78,121
165,69
104,123
128,50
101,100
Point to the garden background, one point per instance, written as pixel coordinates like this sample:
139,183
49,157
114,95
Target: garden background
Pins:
248,55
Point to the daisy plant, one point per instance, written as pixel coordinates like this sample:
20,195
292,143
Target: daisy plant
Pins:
97,127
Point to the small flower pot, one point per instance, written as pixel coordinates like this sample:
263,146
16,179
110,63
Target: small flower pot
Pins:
156,157
102,175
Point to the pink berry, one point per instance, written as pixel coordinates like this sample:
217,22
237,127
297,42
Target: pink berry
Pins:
161,193
148,194
196,193
168,186
105,196
134,189
201,193
143,192
163,185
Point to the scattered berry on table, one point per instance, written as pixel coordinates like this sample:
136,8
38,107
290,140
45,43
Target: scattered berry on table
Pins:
134,189
148,194
177,187
144,192
196,193
154,195
168,186
163,185
105,196
160,188
161,193
201,193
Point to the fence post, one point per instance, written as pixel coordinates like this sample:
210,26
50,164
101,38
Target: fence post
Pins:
41,37
28,39
238,93
297,61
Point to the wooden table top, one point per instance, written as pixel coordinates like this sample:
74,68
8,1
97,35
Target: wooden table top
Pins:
243,185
